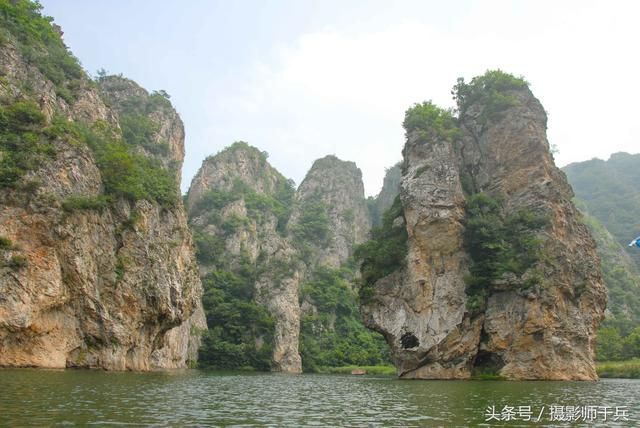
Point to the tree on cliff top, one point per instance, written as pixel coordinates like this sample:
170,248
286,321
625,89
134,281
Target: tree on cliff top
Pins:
427,118
491,90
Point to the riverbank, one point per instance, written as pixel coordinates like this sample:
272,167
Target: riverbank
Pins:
372,370
629,369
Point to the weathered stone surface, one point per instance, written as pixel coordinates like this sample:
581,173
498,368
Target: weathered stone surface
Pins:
125,95
221,171
544,332
338,185
425,303
116,288
270,243
549,332
257,237
390,189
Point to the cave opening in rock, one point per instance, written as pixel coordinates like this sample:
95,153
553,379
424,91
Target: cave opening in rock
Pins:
409,340
487,363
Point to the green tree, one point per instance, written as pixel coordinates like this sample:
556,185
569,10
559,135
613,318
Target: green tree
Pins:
609,346
493,90
240,332
25,143
313,223
631,344
22,24
498,243
385,252
428,118
334,335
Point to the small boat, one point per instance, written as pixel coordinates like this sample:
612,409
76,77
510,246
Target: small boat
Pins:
358,372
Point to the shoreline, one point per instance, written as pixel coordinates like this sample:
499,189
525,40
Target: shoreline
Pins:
626,369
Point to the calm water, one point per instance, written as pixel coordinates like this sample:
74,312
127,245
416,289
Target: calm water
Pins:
197,398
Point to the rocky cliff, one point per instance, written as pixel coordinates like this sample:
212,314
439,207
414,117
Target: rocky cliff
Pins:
238,207
283,247
384,200
332,188
497,275
97,265
329,219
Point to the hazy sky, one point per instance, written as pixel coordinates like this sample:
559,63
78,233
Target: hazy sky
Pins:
302,79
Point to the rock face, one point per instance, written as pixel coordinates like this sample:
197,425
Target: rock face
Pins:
90,278
390,189
337,186
538,323
250,195
155,113
245,213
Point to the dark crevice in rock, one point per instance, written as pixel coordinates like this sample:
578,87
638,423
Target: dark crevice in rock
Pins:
488,362
409,340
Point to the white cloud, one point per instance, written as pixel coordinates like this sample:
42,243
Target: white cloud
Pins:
345,93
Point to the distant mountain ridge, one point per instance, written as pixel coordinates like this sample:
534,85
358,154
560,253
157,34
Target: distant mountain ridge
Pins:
610,191
609,199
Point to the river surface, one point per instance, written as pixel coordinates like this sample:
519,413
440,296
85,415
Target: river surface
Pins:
206,398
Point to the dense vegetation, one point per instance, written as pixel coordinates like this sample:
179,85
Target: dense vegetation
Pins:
278,202
312,227
240,332
244,148
620,275
22,24
28,140
629,369
499,245
612,346
491,90
607,194
428,119
138,128
618,337
333,335
126,173
385,252
609,190
257,204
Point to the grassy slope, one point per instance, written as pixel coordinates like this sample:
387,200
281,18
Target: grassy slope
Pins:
629,369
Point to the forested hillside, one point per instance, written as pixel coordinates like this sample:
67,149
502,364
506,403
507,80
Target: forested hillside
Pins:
610,191
275,263
607,193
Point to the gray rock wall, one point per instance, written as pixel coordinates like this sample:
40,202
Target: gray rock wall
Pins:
543,332
114,288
